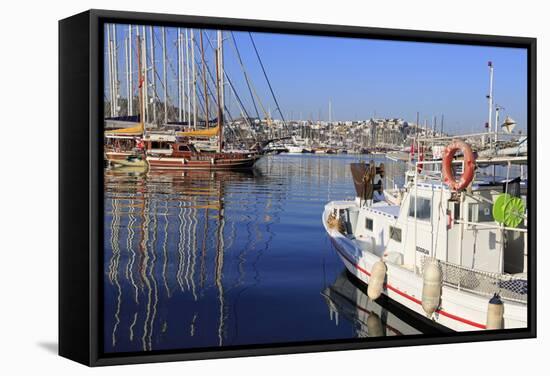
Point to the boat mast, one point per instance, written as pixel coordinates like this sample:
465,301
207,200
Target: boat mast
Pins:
164,80
110,67
194,79
490,96
219,63
115,70
222,73
180,94
206,110
497,110
330,121
111,53
182,82
127,76
140,81
143,80
187,75
153,71
130,74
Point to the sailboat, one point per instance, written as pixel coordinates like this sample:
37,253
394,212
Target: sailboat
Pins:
177,151
124,146
452,250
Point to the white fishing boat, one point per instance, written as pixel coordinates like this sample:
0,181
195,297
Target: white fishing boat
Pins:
454,251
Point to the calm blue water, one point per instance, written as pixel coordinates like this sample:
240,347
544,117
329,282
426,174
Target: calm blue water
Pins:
207,259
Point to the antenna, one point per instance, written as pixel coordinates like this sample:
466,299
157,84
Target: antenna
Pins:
490,96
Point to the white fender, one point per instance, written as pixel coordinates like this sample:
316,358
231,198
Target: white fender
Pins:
495,313
376,280
431,288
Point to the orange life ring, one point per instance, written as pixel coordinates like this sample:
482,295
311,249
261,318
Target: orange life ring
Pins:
469,165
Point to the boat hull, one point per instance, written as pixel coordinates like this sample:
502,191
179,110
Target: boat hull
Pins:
172,163
125,159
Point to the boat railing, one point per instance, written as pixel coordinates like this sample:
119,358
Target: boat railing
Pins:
508,286
487,138
431,169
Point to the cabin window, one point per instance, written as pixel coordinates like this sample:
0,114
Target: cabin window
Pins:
159,145
183,148
369,224
480,212
395,234
423,208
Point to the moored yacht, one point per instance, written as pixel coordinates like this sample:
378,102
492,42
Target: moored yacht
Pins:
176,151
454,250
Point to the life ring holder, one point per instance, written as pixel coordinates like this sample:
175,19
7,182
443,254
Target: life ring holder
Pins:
469,165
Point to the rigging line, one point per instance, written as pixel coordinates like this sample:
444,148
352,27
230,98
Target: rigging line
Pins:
254,94
200,97
205,77
252,91
210,91
244,72
244,113
211,76
212,94
243,110
266,78
201,105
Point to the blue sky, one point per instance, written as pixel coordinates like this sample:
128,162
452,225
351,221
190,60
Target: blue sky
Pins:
363,78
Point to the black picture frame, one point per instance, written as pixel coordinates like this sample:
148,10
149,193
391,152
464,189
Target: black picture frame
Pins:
81,184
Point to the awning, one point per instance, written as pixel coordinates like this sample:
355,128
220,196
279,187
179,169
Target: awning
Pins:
209,132
131,131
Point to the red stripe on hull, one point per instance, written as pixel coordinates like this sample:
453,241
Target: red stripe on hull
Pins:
409,297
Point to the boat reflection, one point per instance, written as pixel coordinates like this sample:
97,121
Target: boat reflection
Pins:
369,318
196,259
165,240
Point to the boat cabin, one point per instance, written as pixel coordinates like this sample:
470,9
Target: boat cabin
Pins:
430,220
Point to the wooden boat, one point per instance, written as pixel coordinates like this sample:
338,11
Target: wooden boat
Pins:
177,151
184,156
123,146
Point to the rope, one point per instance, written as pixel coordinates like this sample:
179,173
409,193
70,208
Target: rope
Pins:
266,78
244,72
244,113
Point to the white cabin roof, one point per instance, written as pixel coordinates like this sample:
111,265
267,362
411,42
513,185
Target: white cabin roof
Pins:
391,211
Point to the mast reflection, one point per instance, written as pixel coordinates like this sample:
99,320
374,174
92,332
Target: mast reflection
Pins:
179,220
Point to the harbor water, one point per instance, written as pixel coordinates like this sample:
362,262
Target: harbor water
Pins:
207,259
